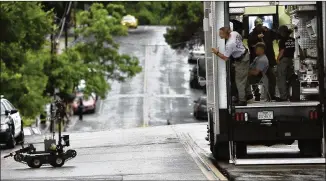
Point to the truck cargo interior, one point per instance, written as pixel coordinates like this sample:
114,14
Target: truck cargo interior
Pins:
298,122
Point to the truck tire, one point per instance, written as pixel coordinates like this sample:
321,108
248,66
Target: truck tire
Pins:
241,149
221,151
192,84
310,148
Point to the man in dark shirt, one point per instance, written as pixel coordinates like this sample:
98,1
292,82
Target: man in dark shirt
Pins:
262,34
285,58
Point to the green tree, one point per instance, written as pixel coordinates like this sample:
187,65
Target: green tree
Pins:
187,23
99,52
24,26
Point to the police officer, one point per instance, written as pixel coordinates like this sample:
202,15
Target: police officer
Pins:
236,52
285,57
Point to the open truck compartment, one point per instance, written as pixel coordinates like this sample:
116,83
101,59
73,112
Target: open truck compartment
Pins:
233,128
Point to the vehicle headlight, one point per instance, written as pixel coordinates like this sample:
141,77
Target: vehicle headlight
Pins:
4,127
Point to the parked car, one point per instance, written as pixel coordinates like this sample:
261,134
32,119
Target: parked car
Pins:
89,103
198,70
129,21
11,131
81,87
200,108
194,54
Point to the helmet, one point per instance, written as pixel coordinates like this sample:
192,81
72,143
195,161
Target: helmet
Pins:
258,21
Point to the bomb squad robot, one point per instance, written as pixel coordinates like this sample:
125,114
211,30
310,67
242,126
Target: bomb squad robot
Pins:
54,154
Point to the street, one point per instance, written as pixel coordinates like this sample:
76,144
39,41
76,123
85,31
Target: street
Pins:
139,130
159,93
174,152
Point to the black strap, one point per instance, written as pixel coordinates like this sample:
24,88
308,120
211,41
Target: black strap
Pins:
241,57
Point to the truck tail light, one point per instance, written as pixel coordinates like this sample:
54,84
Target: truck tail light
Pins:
313,115
241,116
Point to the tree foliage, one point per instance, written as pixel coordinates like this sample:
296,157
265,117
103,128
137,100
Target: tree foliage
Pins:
29,72
99,51
186,24
23,30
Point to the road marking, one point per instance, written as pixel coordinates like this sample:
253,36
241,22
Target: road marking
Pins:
116,96
145,97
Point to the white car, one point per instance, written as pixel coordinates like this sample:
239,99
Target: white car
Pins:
196,53
11,131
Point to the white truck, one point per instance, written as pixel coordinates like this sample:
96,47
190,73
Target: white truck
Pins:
233,128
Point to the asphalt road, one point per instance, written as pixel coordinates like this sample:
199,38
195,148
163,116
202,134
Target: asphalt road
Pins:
159,93
153,153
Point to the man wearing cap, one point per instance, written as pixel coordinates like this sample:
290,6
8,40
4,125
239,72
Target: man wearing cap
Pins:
262,34
236,52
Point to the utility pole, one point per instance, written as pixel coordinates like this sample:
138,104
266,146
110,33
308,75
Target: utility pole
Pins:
75,19
66,23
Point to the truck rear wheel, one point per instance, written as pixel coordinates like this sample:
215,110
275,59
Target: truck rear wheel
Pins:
221,151
310,148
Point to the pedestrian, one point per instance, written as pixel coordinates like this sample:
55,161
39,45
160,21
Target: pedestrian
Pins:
285,57
236,52
262,34
80,108
258,68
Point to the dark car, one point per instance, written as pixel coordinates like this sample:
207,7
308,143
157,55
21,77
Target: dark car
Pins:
196,53
11,130
200,108
198,70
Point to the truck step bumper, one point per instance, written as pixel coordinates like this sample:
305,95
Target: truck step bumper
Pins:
278,161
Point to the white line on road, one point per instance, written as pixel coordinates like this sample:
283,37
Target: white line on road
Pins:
145,97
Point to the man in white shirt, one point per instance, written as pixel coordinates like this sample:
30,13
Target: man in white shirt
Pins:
238,54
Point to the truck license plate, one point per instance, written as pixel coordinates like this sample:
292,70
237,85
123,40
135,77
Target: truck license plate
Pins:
265,115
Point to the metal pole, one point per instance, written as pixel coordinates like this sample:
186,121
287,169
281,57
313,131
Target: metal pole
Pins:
75,19
60,120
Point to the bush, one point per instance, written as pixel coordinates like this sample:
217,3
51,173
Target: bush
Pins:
28,121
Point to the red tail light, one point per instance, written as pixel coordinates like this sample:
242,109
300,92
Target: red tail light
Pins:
316,115
237,116
313,115
241,116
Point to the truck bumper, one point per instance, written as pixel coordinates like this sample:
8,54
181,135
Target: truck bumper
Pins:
250,131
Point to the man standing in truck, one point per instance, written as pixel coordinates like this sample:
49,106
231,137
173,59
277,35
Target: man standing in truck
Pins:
262,34
285,67
238,54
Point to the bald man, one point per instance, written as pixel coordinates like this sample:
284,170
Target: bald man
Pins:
236,52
